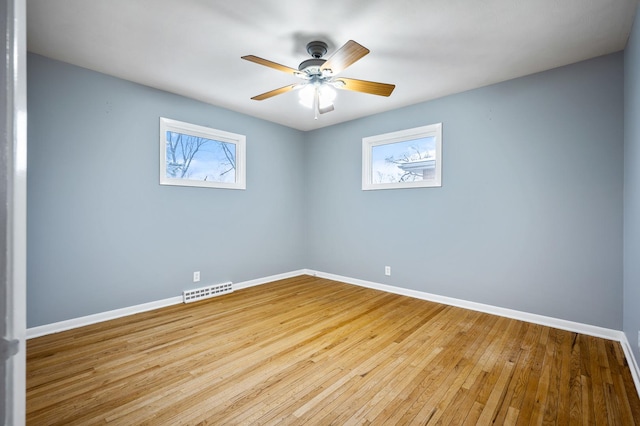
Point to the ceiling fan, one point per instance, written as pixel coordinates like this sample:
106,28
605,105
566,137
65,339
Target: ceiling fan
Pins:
320,76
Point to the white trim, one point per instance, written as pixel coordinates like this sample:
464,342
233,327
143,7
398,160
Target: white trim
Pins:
370,142
57,327
271,278
577,327
239,141
631,360
13,131
591,330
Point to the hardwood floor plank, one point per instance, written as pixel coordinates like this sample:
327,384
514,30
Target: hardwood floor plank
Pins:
443,396
515,390
497,395
528,396
262,404
619,391
551,409
245,368
423,384
597,382
400,379
575,389
564,377
307,350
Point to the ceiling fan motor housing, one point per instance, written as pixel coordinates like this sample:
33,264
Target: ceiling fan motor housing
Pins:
316,49
310,64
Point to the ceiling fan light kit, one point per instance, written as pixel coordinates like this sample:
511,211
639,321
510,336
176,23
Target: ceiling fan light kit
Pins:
319,75
325,93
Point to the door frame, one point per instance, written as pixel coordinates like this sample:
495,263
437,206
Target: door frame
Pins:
13,198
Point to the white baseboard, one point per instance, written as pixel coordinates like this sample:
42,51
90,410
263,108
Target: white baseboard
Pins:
591,330
271,278
631,360
57,327
587,329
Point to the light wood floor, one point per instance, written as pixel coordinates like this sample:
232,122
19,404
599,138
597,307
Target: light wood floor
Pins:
312,351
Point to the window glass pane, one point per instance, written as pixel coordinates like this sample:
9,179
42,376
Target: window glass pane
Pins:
406,161
197,158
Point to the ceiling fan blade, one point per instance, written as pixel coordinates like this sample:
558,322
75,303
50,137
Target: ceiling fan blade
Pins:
371,87
345,56
275,92
271,64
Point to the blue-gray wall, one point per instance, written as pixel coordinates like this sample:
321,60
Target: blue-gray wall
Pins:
103,234
529,215
632,188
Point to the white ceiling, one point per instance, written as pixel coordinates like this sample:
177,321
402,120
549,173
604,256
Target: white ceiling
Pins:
427,48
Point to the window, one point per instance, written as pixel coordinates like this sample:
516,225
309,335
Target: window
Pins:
409,158
192,155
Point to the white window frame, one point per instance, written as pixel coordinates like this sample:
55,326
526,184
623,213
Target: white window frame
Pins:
167,124
368,143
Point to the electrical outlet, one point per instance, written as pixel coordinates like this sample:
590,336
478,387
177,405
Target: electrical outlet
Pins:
196,276
387,270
